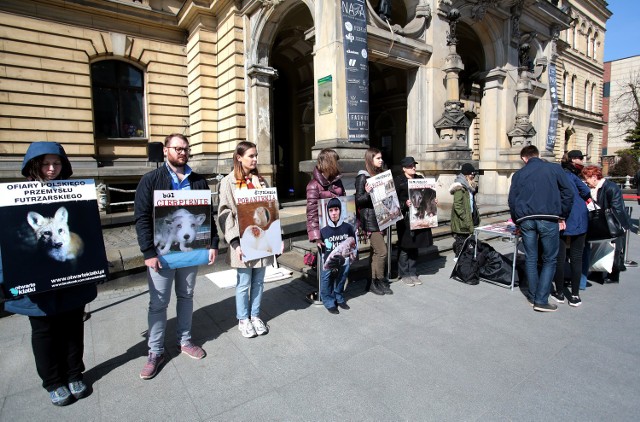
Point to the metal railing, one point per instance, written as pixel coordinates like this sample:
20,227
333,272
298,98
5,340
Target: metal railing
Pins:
105,204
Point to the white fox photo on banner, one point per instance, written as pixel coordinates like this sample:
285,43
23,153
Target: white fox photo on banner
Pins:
338,234
259,222
51,236
182,227
385,199
423,211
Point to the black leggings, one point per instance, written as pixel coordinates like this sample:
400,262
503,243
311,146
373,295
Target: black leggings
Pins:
576,247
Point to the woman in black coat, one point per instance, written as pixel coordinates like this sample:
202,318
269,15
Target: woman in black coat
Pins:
409,240
609,196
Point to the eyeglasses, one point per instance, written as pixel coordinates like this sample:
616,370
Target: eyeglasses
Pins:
180,150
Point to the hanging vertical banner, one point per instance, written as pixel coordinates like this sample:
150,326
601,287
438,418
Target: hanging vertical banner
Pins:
553,120
354,29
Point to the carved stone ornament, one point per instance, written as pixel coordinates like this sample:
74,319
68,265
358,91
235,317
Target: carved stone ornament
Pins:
271,3
452,17
479,10
414,29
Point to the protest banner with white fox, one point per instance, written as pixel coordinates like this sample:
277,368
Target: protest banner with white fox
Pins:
50,237
182,227
259,222
385,199
423,212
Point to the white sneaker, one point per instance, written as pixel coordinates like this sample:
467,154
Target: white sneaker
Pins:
246,328
259,326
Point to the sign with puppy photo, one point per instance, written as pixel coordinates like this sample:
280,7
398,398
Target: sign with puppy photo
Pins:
423,212
50,237
259,222
182,227
385,199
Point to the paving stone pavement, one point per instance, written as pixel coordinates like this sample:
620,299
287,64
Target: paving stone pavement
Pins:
441,351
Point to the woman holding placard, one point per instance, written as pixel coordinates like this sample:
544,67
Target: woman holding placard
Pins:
373,165
250,273
56,316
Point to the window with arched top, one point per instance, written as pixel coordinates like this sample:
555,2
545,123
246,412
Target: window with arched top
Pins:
586,95
589,149
565,88
594,47
573,91
574,44
588,44
594,89
118,100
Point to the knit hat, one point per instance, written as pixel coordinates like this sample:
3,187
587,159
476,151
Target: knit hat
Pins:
467,169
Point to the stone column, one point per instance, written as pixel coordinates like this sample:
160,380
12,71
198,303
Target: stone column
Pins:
452,127
331,127
260,84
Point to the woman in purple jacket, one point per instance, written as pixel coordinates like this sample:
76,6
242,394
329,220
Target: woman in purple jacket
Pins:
325,183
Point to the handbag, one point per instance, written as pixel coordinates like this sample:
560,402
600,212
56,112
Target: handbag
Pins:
604,224
602,257
310,259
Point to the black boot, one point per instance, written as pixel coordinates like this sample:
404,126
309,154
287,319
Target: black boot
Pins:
384,286
374,287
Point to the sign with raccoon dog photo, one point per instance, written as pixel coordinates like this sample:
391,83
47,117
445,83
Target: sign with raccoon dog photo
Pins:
182,227
259,222
385,199
50,237
337,218
423,212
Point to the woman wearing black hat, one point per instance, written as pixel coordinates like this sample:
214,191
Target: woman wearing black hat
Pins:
409,240
464,214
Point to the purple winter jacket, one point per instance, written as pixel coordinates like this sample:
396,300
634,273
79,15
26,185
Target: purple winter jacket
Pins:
320,188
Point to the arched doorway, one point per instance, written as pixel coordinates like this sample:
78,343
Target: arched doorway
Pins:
291,56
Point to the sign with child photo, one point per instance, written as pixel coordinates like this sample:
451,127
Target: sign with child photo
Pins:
337,217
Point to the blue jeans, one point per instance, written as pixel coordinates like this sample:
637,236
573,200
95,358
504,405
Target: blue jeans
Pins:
249,292
332,286
548,233
159,295
586,256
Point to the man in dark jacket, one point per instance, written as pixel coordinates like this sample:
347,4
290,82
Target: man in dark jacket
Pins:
540,200
175,174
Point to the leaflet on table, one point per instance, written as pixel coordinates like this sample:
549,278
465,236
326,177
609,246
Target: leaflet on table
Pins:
337,217
182,227
423,212
50,237
385,199
504,227
259,222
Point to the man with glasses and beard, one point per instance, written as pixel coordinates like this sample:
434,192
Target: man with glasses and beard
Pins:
175,174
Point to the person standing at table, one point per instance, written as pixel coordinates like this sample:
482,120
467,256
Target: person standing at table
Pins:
540,200
464,214
409,240
575,232
175,174
608,196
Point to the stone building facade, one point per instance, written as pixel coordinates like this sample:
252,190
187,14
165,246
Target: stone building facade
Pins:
448,81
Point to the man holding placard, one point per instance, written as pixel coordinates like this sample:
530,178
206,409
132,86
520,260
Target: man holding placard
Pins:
174,175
